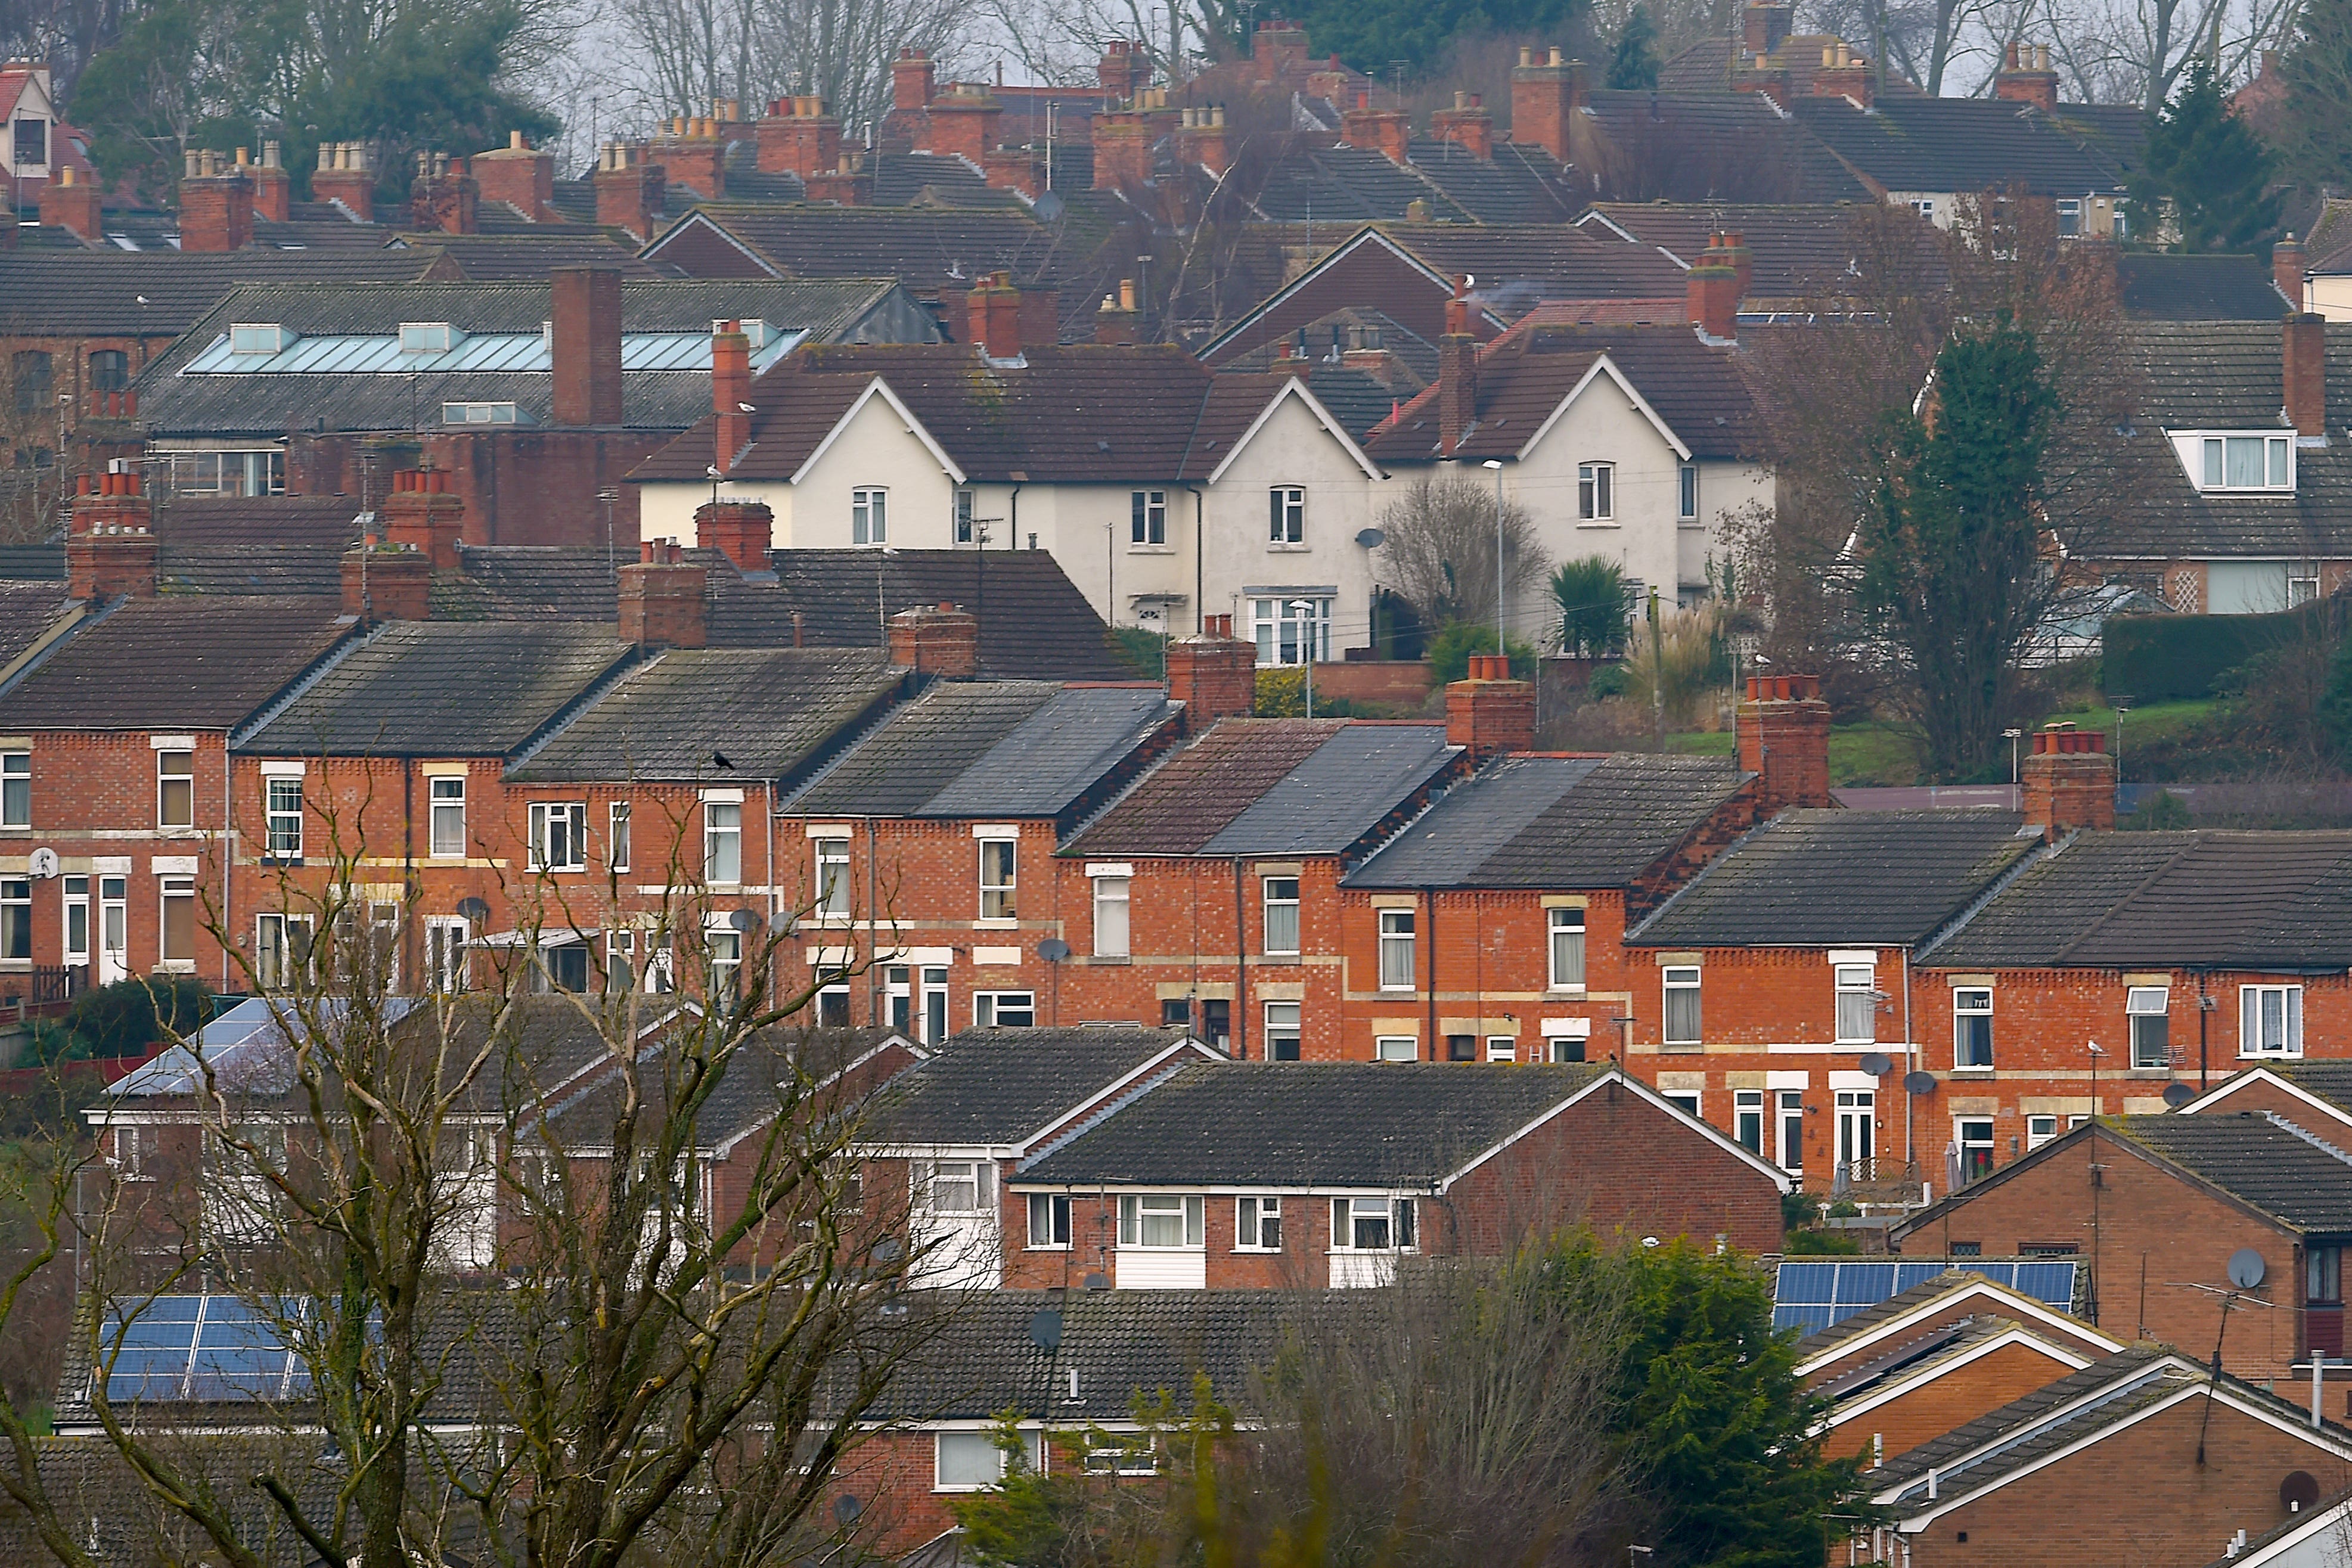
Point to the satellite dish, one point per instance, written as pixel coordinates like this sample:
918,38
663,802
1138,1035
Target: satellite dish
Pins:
474,909
845,1509
1878,1064
744,921
2299,1490
42,862
1045,1331
1098,1281
1053,949
1919,1082
2246,1268
2178,1094
1371,539
1048,207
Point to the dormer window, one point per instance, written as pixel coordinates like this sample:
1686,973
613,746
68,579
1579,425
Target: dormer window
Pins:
479,414
258,337
428,337
2225,463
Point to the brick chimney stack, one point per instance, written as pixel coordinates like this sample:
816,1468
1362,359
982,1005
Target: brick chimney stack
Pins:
2025,77
799,137
631,192
1387,132
2286,271
586,323
1122,146
273,187
1278,50
387,583
1115,322
846,185
2069,780
521,175
1783,731
661,598
992,319
730,392
1487,713
1457,373
914,80
944,642
1713,285
73,207
425,515
742,531
110,551
1545,95
2304,362
1214,674
444,198
1764,26
346,174
1843,74
1468,125
1124,66
963,122
1201,140
692,153
215,204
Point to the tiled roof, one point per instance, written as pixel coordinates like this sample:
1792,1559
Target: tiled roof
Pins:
2160,287
33,563
1555,822
1516,266
1021,748
929,248
766,711
1703,66
1898,878
162,294
27,611
418,689
2331,1080
1696,387
1001,1086
1262,786
1520,184
1651,142
523,257
1403,1125
176,662
1076,415
2204,898
1035,624
2029,1428
1958,144
1795,251
2259,1159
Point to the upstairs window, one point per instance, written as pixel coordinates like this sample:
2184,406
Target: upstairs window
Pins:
832,877
479,413
16,788
1160,1222
1857,1005
1049,1220
617,846
32,377
257,337
2070,217
1148,517
559,837
110,370
1686,494
283,799
2147,1007
2270,1021
959,1187
1282,916
175,788
964,529
722,842
1112,897
1397,967
32,141
1257,1225
1596,492
1287,515
426,337
998,891
1971,1027
869,516
448,808
1682,1005
16,919
2246,463
1372,1224
1566,937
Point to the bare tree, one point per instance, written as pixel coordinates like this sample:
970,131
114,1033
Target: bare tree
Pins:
689,52
1439,551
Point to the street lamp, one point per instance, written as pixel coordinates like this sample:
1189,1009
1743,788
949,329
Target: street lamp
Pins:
2012,736
1497,466
1303,611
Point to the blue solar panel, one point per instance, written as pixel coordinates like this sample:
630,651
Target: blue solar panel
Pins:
1809,1296
199,1347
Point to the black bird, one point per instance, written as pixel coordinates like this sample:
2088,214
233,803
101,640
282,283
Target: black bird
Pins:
721,757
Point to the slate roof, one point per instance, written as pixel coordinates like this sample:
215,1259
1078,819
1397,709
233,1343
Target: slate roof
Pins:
1710,146
1523,376
2032,1428
1271,787
1517,264
416,689
1555,822
2261,1160
1958,145
928,248
2160,288
1795,250
2204,898
1005,748
1898,878
983,1360
998,1086
162,294
526,256
1703,66
27,611
1400,1125
767,711
1520,184
2331,1080
173,663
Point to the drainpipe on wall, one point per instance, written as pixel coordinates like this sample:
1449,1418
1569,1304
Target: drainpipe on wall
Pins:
1241,970
1429,905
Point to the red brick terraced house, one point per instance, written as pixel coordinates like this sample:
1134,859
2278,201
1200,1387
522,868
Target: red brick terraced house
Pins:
1326,1174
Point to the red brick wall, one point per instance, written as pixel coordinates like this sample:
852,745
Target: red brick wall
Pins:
1938,1403
2156,1237
521,487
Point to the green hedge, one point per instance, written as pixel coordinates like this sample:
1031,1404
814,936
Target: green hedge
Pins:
2176,658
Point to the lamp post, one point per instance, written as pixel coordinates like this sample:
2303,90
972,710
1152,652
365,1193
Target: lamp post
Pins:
1303,611
1497,466
2013,737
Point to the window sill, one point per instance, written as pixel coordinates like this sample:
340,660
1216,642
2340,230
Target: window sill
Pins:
180,831
1857,1044
175,966
24,964
1259,1251
1047,1247
1126,1247
1597,523
2270,1056
1110,958
2164,1072
1284,960
1682,1045
1151,549
996,923
1567,989
1273,549
1972,1072
1399,991
1690,522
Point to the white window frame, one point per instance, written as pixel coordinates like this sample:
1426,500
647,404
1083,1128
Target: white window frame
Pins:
1596,492
545,841
1565,949
1285,526
2253,1028
961,526
446,810
2214,451
1857,1123
1285,1020
275,953
1254,1218
1396,1048
1000,900
722,843
1147,526
989,1007
724,944
187,779
171,891
869,515
1190,1210
1033,1443
1856,983
1114,903
1054,1209
1285,637
1397,1213
1502,1048
16,788
1399,951
447,957
281,804
1287,902
1677,981
2148,1002
2040,1129
1686,1100
2070,217
426,337
1963,1020
1747,1112
1687,493
77,920
616,836
829,863
1789,1116
15,919
979,1175
1964,1143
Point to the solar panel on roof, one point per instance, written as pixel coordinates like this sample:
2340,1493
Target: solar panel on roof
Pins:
208,1347
1810,1296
